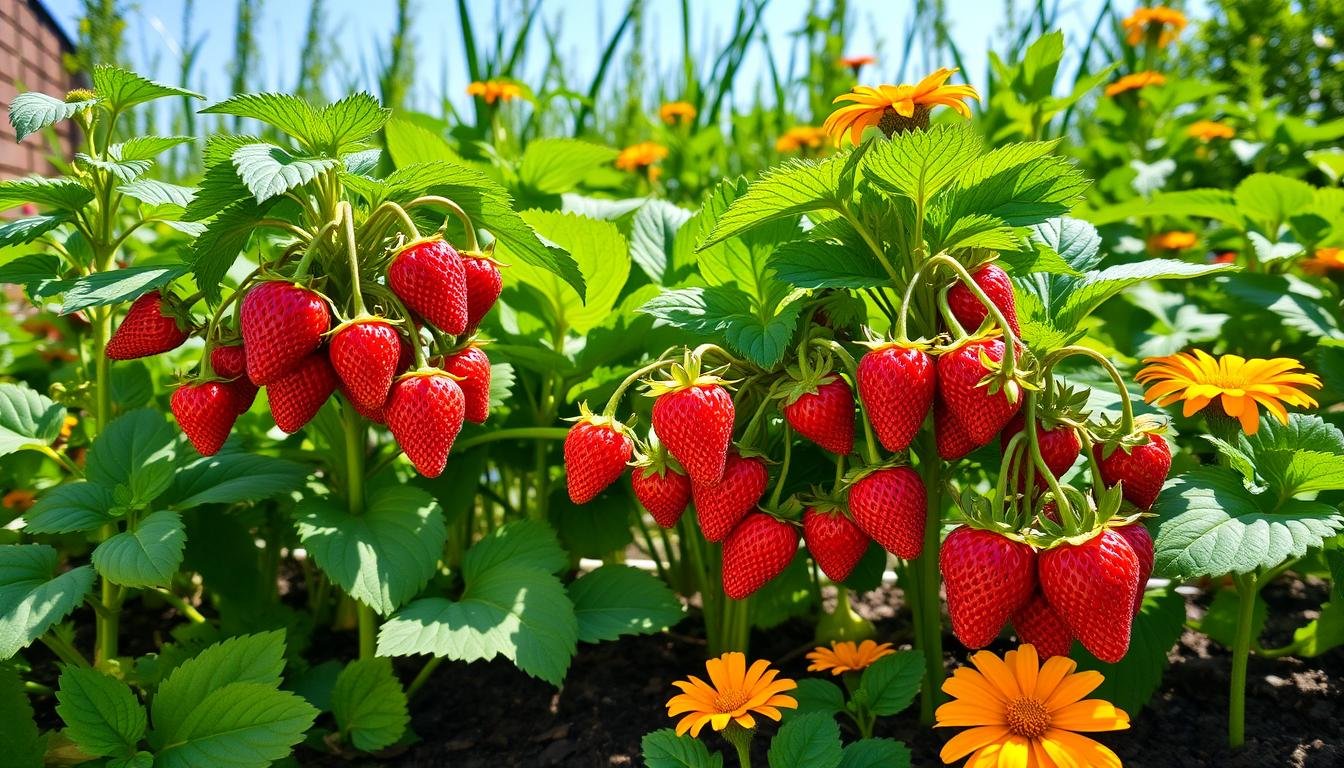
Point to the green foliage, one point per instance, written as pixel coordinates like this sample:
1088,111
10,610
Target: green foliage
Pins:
101,714
369,705
665,749
617,600
34,595
147,554
27,419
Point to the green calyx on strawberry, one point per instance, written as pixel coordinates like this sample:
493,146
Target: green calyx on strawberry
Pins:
982,384
660,484
693,414
819,405
897,382
597,450
1137,461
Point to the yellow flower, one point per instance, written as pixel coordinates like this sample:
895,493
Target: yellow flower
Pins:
857,62
18,500
846,656
1238,384
639,156
1021,714
1324,260
1168,20
1208,130
886,105
677,112
68,426
799,137
495,90
733,694
1176,240
1134,82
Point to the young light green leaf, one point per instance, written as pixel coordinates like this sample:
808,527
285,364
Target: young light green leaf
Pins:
665,749
31,112
155,192
1130,683
147,555
27,418
101,714
146,147
57,194
409,144
232,477
270,171
892,682
369,704
653,234
119,88
241,725
117,286
876,753
352,120
785,191
617,600
807,741
28,229
33,596
554,165
256,659
1095,287
1270,199
290,114
123,170
603,259
917,164
69,508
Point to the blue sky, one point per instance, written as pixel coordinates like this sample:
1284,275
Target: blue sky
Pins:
362,26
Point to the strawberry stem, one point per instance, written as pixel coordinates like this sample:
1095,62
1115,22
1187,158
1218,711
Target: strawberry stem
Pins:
952,322
778,492
1066,514
1012,455
1126,403
852,366
1248,587
347,217
1010,338
472,243
609,411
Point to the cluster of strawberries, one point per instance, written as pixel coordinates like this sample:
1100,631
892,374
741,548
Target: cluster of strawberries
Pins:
289,346
1085,583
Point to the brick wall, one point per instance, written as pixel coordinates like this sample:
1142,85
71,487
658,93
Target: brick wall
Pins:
31,47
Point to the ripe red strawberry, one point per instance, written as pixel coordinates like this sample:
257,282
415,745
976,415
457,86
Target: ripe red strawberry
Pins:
473,368
1059,447
950,437
230,363
1143,469
428,276
897,384
282,323
377,415
425,412
987,577
663,491
695,423
1141,541
483,286
757,550
205,410
364,353
720,506
825,415
1039,624
297,396
890,505
149,328
836,543
971,312
1092,585
960,372
596,452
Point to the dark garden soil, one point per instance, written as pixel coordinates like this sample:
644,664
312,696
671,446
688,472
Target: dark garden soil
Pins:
490,714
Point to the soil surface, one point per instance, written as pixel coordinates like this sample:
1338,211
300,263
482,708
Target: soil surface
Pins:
490,714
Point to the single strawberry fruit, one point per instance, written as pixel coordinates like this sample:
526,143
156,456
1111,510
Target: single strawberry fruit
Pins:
896,384
230,363
1037,623
282,323
1092,586
987,576
149,328
1143,469
981,413
376,415
662,490
425,412
364,353
1060,448
1141,541
297,396
824,414
472,368
693,416
427,275
757,550
597,449
949,436
720,506
971,312
483,287
205,410
889,505
836,543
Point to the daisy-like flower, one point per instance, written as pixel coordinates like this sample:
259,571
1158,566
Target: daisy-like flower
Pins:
1167,22
800,137
1324,260
1208,130
1134,82
1022,714
1237,384
640,158
857,62
734,694
674,112
847,656
1175,240
894,108
495,90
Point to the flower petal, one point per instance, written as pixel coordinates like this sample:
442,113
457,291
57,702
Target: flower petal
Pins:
971,740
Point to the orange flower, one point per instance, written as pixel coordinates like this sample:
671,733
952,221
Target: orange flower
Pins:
1208,130
1168,22
799,137
68,426
847,656
641,157
1223,257
896,107
1324,260
18,500
677,112
1134,82
1176,240
1239,385
495,90
733,694
857,62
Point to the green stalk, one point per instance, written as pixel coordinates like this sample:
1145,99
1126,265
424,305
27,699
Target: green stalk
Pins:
1247,588
354,479
931,621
